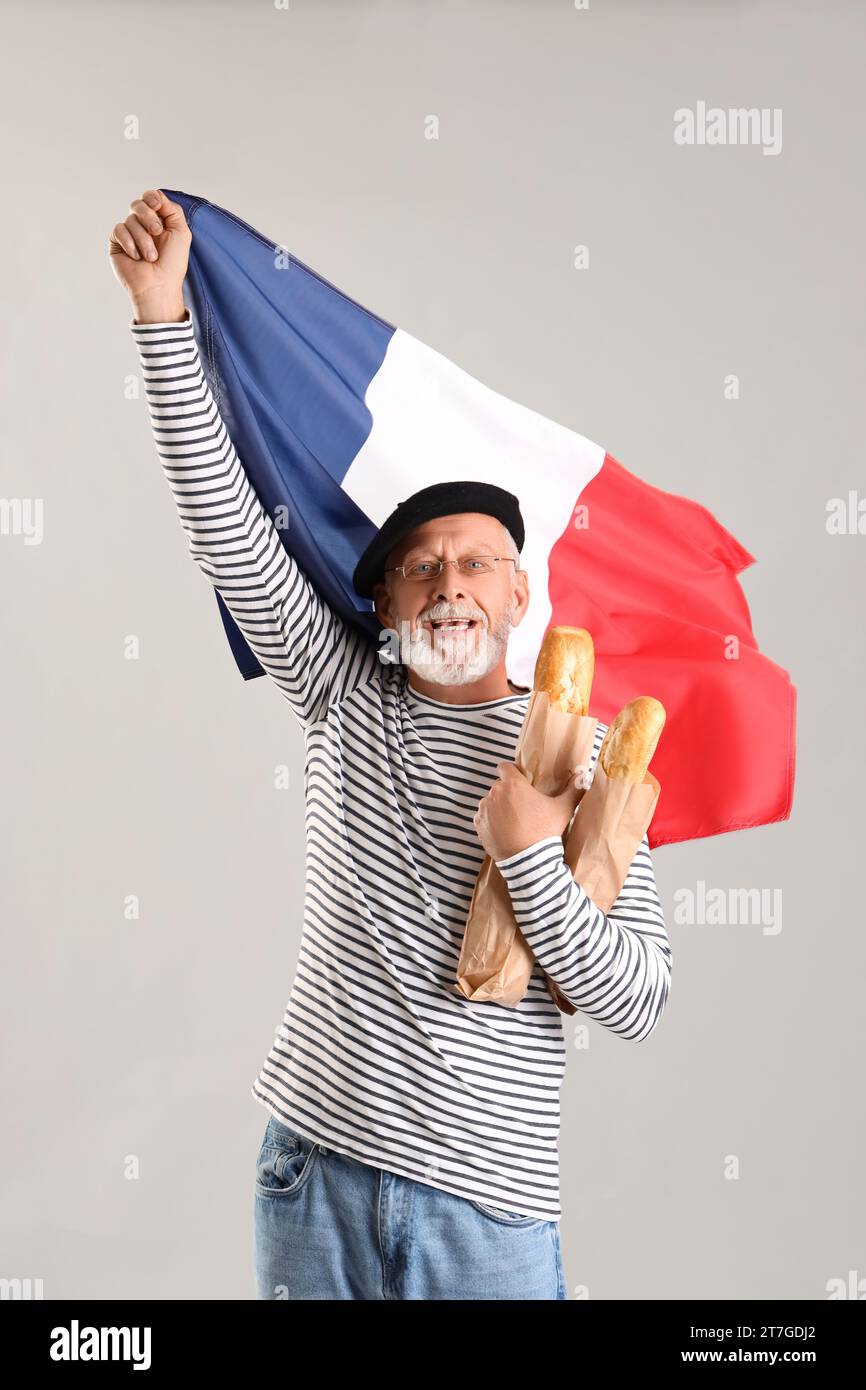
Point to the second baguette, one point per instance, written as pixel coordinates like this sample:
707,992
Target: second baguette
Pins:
631,739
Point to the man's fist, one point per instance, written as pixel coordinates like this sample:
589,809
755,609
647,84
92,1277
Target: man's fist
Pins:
149,253
514,815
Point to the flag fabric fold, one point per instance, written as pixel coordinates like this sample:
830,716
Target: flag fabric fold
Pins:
338,415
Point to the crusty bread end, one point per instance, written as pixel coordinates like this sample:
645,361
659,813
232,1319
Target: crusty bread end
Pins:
565,668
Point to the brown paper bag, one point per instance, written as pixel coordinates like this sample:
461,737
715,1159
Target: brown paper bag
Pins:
606,832
495,959
611,819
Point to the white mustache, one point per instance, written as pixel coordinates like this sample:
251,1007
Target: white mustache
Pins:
437,614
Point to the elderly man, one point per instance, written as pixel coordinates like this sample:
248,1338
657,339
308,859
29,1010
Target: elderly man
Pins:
412,1144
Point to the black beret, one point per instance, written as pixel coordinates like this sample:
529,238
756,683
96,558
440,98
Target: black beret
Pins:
440,499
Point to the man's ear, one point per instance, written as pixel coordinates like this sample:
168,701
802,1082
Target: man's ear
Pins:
520,598
382,605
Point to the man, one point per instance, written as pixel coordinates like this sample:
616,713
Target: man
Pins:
411,1150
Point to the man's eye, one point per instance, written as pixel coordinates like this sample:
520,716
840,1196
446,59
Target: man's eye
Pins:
421,568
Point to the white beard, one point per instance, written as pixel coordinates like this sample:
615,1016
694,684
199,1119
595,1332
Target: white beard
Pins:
453,658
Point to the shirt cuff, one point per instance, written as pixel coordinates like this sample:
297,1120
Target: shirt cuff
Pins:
144,328
546,851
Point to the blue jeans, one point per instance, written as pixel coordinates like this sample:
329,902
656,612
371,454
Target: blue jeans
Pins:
327,1226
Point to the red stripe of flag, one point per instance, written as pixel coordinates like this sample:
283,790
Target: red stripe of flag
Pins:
653,577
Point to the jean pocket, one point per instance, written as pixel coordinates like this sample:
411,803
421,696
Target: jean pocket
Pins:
507,1218
285,1160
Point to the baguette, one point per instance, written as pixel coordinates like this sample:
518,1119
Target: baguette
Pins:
565,668
631,739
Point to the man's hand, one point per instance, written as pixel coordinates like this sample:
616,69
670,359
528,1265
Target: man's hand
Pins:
513,815
149,254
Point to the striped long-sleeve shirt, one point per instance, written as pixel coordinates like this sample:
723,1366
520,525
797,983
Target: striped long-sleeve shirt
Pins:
378,1055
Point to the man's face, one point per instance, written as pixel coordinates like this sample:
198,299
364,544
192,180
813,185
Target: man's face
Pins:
489,604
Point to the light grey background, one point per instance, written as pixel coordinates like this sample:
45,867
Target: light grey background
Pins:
156,777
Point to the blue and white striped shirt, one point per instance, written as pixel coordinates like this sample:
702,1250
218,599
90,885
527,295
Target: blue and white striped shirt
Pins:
378,1056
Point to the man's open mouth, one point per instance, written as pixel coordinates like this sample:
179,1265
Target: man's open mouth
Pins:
452,624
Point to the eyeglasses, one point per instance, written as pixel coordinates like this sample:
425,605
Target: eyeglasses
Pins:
431,569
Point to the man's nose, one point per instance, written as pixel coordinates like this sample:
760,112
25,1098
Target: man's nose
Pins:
449,585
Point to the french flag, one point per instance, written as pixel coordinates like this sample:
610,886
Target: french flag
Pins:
337,416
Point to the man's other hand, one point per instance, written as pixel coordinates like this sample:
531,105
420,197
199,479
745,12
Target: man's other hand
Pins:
513,815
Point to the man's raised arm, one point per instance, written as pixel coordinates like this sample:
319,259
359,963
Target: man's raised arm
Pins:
312,655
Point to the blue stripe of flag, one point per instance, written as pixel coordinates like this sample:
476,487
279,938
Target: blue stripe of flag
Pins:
288,358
